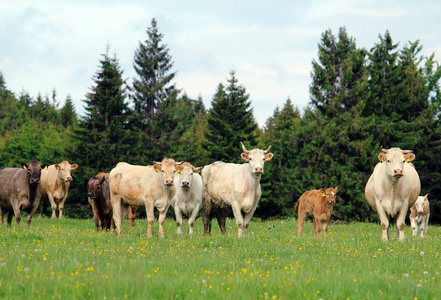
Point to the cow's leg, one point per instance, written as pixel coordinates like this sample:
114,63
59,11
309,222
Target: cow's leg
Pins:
132,215
95,213
61,206
400,220
325,227
206,213
414,226
300,221
150,216
247,218
161,221
222,219
116,208
384,220
192,218
1,216
178,214
17,213
238,216
9,218
42,206
426,225
53,204
318,226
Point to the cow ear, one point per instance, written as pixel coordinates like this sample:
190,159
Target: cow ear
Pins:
74,166
179,169
198,169
382,157
24,166
336,189
268,156
425,197
157,167
409,157
323,192
57,166
245,156
44,166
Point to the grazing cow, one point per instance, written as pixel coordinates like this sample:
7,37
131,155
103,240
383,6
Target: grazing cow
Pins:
393,188
56,182
151,186
188,197
420,212
236,186
20,189
317,203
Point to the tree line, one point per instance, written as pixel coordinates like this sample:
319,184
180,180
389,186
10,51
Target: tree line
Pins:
360,99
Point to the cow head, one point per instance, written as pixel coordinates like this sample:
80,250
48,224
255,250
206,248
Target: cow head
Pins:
185,172
64,169
94,187
256,158
167,168
395,158
34,170
419,204
329,194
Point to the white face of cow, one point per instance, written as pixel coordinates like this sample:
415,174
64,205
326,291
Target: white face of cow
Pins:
419,204
64,169
256,158
186,171
395,159
167,168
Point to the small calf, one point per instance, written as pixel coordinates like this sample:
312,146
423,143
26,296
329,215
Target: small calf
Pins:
317,203
419,213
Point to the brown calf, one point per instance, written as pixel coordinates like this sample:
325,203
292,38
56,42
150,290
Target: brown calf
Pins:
317,203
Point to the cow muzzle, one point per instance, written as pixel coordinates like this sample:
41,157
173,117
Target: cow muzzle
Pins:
169,182
398,172
91,195
258,170
68,179
185,184
34,181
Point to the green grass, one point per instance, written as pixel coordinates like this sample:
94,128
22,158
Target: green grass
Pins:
67,259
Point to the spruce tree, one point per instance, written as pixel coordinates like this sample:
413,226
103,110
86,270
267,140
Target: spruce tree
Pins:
229,122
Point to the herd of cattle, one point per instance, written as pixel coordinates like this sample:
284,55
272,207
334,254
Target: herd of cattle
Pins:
392,189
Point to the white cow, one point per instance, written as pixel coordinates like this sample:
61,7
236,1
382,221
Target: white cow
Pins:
235,185
393,188
188,196
151,186
420,212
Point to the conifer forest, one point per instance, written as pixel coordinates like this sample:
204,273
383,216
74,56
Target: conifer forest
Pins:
360,99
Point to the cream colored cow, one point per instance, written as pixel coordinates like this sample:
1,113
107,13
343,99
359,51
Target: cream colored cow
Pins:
420,213
236,186
151,186
393,188
55,182
188,197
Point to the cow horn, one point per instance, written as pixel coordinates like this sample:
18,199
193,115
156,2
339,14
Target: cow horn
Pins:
407,151
267,150
157,163
383,150
244,149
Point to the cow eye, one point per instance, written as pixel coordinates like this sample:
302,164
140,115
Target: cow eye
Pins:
388,161
250,158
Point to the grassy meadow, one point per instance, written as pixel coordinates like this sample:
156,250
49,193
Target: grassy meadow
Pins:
68,259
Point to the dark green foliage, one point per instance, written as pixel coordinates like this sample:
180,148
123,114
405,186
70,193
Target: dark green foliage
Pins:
229,122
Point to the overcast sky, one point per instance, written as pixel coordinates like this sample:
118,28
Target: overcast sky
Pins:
46,45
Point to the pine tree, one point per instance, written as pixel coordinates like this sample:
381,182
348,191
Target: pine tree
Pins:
229,122
101,133
68,116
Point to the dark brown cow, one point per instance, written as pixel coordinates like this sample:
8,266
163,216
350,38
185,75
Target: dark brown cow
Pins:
98,195
317,203
20,189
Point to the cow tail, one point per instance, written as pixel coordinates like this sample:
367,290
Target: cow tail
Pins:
296,209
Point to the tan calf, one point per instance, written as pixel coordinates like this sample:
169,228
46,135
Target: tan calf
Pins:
419,213
317,203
